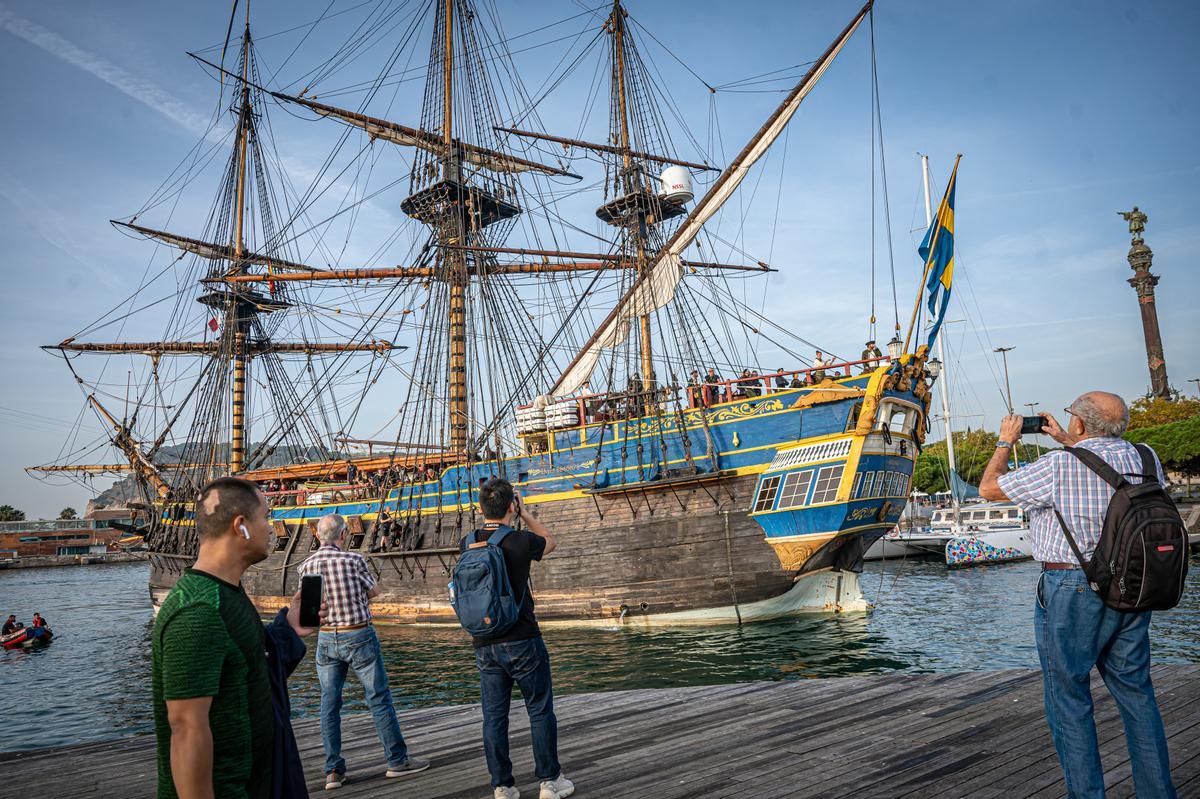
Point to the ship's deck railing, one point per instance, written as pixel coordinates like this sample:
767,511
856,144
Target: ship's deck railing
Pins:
611,406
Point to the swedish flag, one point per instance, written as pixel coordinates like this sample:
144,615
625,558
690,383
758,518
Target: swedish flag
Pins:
937,249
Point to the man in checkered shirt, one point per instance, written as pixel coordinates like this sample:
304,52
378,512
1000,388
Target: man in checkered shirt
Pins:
347,640
1075,630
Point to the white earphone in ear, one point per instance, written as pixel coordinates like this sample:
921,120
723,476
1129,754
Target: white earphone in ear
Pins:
245,532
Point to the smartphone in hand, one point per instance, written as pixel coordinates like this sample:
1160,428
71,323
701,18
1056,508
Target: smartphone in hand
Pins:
1032,424
310,600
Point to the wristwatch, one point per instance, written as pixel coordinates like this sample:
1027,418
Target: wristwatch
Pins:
1003,443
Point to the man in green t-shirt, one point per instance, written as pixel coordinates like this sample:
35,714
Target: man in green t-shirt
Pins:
212,692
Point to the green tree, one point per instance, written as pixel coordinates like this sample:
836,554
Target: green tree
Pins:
1177,443
10,514
68,513
972,451
1154,411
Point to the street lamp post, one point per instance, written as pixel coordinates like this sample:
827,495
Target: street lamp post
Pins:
1004,351
1008,394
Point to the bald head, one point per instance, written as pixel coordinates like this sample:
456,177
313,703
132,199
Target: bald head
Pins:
330,528
1102,413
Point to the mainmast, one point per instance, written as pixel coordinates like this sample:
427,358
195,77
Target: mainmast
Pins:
237,443
630,180
456,272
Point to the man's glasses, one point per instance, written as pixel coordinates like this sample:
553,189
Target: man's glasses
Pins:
1069,411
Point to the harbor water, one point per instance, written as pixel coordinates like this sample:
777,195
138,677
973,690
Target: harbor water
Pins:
93,681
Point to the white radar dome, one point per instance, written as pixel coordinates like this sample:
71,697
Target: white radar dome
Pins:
675,185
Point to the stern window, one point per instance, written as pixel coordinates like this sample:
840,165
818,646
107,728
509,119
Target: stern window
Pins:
827,483
766,494
795,489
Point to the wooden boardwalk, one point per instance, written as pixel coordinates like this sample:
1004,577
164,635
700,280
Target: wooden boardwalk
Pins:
979,734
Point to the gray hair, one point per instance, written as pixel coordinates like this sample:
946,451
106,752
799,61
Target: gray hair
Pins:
330,528
1100,421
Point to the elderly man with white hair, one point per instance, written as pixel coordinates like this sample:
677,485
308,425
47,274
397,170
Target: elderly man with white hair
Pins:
1075,630
348,641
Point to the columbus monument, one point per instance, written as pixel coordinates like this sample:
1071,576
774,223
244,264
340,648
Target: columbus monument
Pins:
1143,283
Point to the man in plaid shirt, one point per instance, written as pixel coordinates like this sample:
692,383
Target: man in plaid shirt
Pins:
347,640
1075,630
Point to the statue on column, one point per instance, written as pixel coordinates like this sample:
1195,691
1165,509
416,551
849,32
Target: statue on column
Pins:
1137,222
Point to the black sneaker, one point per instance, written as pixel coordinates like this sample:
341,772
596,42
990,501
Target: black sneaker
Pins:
410,766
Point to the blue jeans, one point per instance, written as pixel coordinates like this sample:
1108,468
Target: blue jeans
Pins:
1076,631
527,663
359,650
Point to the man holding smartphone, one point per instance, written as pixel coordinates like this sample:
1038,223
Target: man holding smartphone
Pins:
518,655
219,681
347,640
1075,631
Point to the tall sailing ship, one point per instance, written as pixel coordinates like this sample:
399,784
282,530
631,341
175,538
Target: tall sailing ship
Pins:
571,373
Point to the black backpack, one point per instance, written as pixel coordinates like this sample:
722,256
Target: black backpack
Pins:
1142,558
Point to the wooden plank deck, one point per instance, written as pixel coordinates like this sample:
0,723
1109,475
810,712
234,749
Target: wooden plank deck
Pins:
977,734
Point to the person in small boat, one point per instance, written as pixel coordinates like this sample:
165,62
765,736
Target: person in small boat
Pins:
38,621
11,625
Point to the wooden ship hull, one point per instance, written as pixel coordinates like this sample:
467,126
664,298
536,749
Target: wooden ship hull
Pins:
700,540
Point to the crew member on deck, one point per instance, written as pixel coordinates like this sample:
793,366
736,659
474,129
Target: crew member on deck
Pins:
712,387
695,390
819,364
872,355
781,381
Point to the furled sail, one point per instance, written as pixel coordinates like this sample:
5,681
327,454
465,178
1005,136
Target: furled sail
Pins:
493,160
207,249
656,286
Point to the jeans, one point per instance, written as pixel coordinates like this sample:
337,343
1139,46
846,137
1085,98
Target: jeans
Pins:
1075,631
527,663
357,649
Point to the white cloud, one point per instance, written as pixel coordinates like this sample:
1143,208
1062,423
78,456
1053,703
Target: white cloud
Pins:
144,91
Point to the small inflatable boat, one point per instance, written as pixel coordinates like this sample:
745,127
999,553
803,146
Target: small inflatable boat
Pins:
26,635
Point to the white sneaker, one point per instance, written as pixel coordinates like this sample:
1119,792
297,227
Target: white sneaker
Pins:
506,792
558,788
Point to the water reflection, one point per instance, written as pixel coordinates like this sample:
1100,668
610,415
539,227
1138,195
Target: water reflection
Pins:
92,681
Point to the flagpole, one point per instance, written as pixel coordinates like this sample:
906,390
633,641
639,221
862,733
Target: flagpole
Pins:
929,261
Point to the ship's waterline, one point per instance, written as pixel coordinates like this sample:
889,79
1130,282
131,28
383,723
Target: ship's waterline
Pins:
827,591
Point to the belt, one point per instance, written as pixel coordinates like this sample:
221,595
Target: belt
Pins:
345,629
1053,566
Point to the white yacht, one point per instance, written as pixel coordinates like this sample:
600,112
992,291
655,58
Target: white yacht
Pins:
982,516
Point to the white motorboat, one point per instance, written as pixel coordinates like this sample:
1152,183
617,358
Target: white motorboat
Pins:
918,542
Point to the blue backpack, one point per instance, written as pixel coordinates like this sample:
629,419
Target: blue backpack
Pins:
480,592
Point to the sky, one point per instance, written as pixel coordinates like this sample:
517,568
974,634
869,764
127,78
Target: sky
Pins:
1065,114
